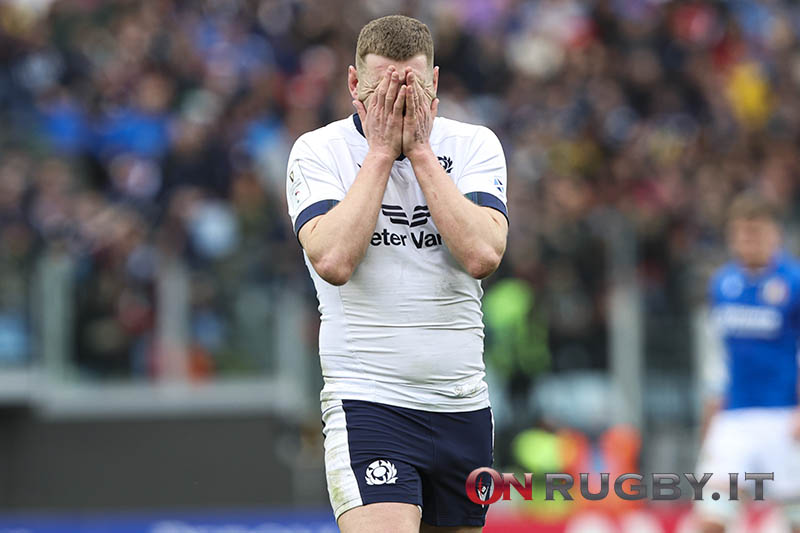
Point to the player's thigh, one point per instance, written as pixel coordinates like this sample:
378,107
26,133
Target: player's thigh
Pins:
730,446
780,454
462,442
427,528
791,511
382,517
373,454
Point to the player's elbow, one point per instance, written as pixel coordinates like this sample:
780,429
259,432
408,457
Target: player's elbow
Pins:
482,263
335,270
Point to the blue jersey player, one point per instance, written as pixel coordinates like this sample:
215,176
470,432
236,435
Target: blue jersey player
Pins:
752,422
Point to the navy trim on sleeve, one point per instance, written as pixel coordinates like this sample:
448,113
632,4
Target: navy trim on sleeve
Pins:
314,210
486,199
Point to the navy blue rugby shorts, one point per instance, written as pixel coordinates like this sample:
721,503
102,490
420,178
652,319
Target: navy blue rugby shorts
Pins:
381,453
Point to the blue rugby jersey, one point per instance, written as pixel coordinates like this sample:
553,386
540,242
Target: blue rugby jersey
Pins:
758,319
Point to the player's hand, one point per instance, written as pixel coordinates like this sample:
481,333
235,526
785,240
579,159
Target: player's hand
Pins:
382,117
796,425
418,120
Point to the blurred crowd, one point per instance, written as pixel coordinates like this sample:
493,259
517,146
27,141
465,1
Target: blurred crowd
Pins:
139,133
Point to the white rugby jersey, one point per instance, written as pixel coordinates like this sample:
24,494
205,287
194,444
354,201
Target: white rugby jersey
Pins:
407,328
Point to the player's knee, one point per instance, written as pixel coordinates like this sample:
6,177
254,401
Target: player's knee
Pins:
383,517
714,515
792,513
711,527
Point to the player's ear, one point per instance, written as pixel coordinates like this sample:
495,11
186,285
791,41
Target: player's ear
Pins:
435,80
352,81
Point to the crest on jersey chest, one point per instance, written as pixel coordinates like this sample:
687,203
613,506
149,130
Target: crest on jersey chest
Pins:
732,286
446,162
775,291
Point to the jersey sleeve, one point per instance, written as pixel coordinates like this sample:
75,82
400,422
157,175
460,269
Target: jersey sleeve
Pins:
312,187
484,178
794,294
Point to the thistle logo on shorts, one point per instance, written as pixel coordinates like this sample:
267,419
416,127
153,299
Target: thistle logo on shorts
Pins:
381,472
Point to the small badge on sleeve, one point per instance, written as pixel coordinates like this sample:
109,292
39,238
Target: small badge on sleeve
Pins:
498,183
299,191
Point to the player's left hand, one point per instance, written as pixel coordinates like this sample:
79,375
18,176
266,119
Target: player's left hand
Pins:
419,115
796,425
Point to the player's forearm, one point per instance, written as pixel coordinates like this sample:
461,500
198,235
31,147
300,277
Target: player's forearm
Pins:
710,408
337,241
471,234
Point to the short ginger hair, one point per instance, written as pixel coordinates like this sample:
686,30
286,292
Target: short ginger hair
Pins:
396,37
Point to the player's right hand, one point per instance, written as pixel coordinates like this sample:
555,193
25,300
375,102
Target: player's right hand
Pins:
382,116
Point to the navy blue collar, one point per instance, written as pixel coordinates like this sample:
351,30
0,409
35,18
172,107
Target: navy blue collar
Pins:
357,122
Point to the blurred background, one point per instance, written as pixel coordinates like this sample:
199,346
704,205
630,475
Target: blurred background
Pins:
158,326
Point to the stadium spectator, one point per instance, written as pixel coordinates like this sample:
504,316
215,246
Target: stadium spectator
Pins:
658,112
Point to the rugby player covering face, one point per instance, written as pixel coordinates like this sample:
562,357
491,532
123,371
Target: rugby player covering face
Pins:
400,213
751,414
